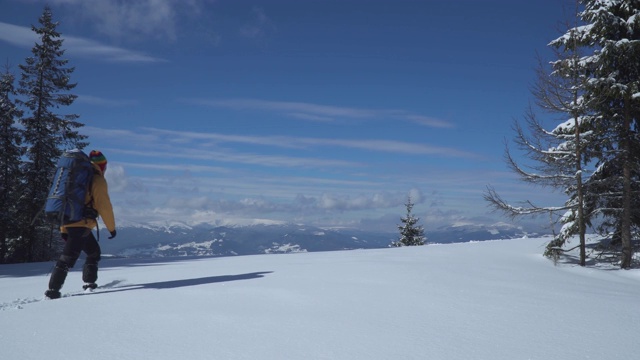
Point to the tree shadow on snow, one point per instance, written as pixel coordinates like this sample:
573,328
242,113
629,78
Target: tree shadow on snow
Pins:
604,253
116,286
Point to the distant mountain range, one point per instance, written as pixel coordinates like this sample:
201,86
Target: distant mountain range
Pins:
208,240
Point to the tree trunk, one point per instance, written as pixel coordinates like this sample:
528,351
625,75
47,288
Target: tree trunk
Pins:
581,225
625,221
578,159
625,231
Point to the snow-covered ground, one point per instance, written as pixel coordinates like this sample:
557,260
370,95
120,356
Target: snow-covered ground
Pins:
487,300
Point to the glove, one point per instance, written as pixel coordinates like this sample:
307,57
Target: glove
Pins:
64,236
113,234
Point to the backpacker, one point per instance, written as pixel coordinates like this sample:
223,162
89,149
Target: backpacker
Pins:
66,201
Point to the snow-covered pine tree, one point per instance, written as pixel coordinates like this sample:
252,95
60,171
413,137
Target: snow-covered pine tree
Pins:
411,234
10,153
612,34
563,92
44,86
559,155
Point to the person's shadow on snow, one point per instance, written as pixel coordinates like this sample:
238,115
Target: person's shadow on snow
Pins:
117,286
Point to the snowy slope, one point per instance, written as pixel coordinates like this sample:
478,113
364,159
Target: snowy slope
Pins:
487,300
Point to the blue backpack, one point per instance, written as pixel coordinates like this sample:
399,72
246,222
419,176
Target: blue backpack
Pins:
66,201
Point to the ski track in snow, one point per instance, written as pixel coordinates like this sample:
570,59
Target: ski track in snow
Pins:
19,304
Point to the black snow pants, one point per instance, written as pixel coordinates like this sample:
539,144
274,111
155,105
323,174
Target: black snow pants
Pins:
79,240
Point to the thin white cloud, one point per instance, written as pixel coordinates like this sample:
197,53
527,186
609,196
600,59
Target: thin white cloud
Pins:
100,101
244,158
125,136
285,106
189,136
93,49
24,37
389,146
429,121
124,20
259,27
17,35
316,112
310,117
392,146
177,167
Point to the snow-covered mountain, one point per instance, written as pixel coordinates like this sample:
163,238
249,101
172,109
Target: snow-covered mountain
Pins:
464,232
179,239
207,240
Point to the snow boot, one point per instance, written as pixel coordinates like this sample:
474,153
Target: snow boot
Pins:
90,286
52,294
58,275
90,272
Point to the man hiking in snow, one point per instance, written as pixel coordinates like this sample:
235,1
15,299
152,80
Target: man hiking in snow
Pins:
78,235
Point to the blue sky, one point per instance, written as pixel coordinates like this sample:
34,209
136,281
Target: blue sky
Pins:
319,112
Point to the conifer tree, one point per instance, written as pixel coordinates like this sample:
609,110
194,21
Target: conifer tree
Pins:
10,153
612,34
44,86
559,154
603,125
411,234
